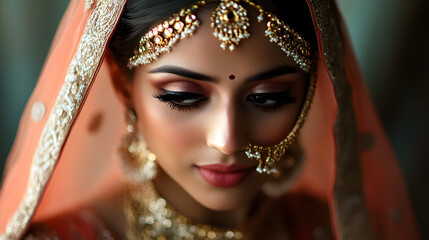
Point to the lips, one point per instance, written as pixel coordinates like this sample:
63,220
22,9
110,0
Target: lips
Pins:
224,176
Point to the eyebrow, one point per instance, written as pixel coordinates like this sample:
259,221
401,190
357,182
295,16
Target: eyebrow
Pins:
183,72
272,73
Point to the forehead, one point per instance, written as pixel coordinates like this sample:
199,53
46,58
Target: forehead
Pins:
202,51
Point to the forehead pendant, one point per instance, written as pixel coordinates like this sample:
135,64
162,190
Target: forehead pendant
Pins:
230,24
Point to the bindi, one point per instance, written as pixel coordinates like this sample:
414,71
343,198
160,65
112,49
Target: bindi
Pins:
231,77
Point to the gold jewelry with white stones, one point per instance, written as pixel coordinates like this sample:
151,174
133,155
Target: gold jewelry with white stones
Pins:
269,156
138,163
149,216
230,23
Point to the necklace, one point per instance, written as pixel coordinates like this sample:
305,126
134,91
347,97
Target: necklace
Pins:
149,216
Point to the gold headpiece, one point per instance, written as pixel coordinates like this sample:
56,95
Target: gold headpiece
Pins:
230,24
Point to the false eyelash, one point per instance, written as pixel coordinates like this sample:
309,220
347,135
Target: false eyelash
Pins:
169,97
282,99
182,108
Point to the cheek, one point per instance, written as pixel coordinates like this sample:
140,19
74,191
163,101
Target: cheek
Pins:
269,128
167,134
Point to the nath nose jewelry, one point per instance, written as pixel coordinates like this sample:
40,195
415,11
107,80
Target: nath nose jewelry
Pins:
269,156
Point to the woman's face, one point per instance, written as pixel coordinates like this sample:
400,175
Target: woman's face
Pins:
199,106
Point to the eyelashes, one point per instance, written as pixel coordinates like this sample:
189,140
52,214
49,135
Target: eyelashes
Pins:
187,101
181,101
270,102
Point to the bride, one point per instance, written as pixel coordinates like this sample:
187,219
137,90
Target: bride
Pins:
230,119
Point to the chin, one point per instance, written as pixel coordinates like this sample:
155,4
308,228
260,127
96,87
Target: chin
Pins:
224,201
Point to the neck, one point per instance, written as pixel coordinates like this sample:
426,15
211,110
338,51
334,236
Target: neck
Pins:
182,202
162,208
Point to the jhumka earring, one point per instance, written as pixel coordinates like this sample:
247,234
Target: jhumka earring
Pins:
268,157
138,163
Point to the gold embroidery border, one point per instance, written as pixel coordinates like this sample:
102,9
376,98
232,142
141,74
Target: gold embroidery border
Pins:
85,62
351,215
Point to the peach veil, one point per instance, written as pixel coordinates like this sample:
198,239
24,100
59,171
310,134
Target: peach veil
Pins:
64,151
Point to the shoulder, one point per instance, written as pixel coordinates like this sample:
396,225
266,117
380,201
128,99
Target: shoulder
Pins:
80,224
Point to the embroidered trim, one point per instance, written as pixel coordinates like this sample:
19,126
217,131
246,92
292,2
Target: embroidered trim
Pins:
351,214
81,70
88,4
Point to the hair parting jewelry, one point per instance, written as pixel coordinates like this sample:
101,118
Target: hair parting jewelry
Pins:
230,23
138,163
269,156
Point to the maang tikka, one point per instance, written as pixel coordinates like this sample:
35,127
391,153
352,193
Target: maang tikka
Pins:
138,163
230,23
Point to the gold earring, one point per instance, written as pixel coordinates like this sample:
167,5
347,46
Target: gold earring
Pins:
138,163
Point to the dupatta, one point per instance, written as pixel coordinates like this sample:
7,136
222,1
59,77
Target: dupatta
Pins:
63,155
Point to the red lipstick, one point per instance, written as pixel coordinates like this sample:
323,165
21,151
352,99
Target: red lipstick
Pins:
225,176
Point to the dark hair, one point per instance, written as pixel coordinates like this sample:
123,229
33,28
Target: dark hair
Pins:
140,15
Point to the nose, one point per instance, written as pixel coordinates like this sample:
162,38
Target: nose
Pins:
227,130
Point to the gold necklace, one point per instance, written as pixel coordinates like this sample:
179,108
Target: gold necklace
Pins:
149,216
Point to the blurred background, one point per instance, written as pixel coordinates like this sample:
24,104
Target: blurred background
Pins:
391,41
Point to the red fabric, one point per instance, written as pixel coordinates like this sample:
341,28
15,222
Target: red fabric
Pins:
82,224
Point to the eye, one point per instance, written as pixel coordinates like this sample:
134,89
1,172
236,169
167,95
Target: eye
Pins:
181,101
271,101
